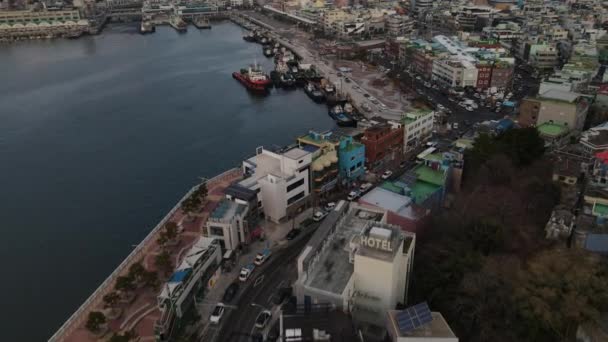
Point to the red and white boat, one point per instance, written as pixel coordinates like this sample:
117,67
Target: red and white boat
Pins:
253,78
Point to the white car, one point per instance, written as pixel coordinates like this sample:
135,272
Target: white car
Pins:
371,98
318,216
383,106
262,256
262,319
364,187
440,107
469,108
353,195
387,174
330,206
217,313
246,272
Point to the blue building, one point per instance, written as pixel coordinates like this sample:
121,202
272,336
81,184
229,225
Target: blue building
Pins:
351,158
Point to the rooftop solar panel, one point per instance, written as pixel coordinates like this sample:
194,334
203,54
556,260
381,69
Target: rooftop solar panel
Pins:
414,317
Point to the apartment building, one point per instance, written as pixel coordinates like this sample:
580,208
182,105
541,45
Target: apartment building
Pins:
452,72
281,179
417,125
383,142
555,107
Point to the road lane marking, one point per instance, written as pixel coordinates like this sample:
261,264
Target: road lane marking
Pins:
258,280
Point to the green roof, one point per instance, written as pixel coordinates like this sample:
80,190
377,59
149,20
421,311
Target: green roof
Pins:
434,157
392,187
600,210
422,190
414,115
464,143
426,174
552,129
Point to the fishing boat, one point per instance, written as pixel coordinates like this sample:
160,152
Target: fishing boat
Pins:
313,92
341,117
253,78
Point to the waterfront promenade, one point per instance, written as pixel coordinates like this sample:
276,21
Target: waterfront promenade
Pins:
140,314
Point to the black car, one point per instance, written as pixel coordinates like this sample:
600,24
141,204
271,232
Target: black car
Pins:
283,294
292,234
347,80
402,164
230,292
257,337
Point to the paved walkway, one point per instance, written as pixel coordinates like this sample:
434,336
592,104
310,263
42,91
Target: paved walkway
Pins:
142,312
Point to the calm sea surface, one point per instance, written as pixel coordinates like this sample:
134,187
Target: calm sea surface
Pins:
100,136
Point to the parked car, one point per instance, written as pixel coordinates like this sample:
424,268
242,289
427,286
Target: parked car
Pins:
402,164
372,98
330,206
262,256
318,215
346,79
353,195
364,187
387,174
217,313
246,272
230,292
262,319
292,234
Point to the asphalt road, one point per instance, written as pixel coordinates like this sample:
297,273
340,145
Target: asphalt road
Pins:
239,320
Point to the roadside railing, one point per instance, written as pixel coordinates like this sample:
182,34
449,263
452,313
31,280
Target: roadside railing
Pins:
77,318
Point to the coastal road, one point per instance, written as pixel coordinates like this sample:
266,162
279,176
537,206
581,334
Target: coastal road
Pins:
239,321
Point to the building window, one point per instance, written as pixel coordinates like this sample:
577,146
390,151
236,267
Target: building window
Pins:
295,185
218,231
295,198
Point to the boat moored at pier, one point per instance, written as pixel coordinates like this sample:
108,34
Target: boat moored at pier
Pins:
253,78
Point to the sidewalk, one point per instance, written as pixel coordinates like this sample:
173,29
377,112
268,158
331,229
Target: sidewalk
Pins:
274,238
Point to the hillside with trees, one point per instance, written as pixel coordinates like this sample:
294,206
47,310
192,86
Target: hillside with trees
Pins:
485,264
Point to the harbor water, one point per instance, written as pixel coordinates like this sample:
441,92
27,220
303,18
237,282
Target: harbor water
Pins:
100,136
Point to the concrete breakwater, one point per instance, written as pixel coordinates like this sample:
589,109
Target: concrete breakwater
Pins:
78,318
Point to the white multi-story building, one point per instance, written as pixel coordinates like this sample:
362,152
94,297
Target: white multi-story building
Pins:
281,179
452,71
398,25
420,6
197,269
417,125
456,69
343,262
228,224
